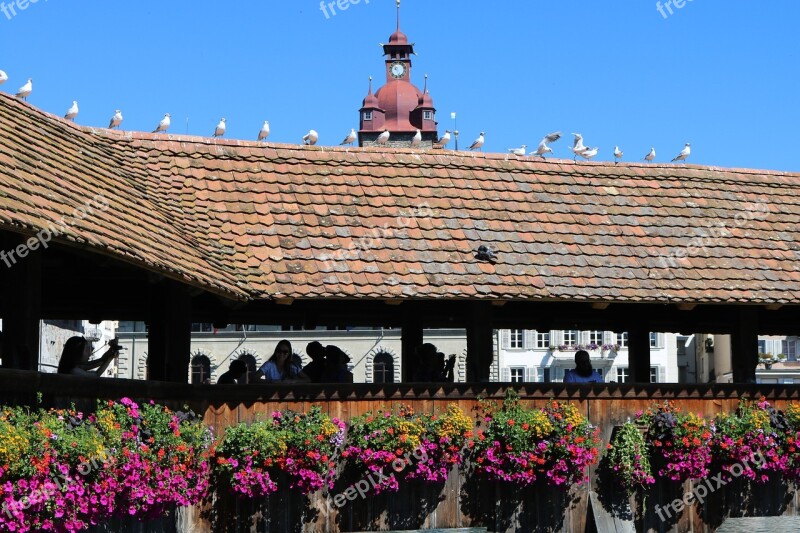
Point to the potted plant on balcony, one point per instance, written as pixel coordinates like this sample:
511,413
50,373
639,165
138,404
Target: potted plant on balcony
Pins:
768,359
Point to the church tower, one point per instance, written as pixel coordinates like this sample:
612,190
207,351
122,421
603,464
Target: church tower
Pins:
398,106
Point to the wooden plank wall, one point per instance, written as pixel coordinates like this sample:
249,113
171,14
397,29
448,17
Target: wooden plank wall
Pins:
463,501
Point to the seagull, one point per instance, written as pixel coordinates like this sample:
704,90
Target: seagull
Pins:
350,139
617,154
72,112
219,131
518,151
264,133
543,148
116,120
685,153
444,139
163,125
3,77
588,154
25,90
417,140
311,138
651,156
478,144
577,147
383,138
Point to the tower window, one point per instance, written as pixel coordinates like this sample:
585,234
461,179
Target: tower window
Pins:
428,115
367,115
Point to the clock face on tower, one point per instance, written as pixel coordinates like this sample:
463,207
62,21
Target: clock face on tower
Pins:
398,70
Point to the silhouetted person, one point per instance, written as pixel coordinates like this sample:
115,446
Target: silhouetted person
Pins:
75,358
445,369
583,372
315,370
281,366
427,359
336,366
236,374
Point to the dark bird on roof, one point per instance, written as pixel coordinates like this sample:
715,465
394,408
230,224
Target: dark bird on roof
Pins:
485,253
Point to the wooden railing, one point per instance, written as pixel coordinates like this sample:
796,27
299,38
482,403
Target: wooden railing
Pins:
463,501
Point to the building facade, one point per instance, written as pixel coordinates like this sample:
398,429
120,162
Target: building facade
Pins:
544,356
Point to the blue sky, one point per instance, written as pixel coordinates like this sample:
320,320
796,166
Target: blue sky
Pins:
724,76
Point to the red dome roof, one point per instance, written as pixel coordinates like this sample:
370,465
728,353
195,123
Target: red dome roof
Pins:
398,37
399,98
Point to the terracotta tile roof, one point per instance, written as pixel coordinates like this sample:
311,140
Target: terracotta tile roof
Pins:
281,221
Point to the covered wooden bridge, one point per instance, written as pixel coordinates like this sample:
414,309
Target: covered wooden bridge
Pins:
173,230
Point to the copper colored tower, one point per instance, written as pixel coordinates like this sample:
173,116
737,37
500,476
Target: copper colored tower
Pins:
398,106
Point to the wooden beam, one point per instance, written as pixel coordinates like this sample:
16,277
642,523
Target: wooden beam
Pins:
639,351
22,300
480,342
744,346
411,338
169,336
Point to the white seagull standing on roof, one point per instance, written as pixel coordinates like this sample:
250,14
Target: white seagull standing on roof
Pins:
444,139
543,148
651,156
3,77
617,154
416,140
519,151
350,139
589,154
685,153
25,90
72,112
478,144
311,138
264,133
163,126
219,131
577,146
116,120
383,138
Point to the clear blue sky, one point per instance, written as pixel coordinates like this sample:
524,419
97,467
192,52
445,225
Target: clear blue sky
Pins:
724,76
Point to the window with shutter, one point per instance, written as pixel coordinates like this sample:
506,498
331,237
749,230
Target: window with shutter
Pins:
505,375
530,339
530,374
505,339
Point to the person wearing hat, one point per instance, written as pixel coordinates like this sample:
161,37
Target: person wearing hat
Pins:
336,366
315,370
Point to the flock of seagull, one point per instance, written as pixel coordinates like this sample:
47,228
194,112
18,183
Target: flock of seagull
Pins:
311,138
587,153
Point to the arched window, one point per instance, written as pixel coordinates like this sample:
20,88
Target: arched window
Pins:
383,368
201,369
250,359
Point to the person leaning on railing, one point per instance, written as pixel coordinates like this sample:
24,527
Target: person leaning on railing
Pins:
75,358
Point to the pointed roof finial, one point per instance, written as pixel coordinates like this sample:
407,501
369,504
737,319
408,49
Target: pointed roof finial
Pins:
425,89
370,85
398,15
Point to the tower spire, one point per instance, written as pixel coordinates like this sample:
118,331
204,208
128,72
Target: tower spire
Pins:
398,15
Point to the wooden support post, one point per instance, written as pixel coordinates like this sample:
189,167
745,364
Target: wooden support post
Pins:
22,301
480,342
744,346
412,338
639,351
169,339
